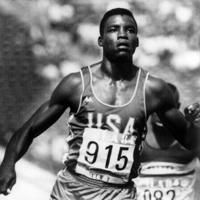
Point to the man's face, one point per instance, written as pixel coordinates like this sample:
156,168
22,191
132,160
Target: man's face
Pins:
119,39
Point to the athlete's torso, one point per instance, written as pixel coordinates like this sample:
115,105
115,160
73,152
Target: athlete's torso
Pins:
105,140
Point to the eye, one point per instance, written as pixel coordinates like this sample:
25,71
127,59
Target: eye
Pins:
131,30
111,30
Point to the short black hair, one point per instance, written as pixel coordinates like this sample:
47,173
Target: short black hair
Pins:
115,11
175,92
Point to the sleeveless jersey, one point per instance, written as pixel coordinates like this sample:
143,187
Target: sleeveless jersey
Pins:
105,141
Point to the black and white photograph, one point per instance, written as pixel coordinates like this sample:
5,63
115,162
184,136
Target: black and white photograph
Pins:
100,100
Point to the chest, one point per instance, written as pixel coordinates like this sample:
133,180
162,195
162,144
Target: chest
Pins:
118,93
125,119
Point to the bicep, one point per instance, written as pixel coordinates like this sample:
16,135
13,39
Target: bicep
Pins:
169,114
68,92
50,111
45,116
64,96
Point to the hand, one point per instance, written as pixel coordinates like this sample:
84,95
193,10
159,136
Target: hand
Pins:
192,112
7,179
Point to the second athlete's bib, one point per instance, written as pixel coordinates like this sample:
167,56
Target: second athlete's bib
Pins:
166,181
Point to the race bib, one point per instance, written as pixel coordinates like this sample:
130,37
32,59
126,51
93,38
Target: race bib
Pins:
158,194
176,193
165,188
106,155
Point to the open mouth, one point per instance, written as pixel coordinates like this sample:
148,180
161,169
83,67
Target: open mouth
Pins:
123,46
158,123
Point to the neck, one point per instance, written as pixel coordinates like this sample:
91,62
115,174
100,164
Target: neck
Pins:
118,71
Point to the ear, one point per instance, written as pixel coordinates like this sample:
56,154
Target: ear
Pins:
137,42
178,105
100,43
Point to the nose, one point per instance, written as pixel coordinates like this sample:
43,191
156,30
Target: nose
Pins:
122,33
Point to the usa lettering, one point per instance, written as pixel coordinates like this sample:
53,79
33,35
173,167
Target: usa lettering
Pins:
113,121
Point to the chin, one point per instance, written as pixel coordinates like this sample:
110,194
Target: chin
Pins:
123,58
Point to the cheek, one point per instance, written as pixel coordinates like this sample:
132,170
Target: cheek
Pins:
109,43
134,42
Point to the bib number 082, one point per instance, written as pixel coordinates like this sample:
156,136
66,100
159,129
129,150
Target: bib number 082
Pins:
159,195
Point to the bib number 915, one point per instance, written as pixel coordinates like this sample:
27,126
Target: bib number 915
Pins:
92,153
105,151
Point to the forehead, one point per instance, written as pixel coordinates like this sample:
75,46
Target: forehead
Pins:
120,19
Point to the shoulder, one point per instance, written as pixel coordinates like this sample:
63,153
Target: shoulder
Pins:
158,94
155,85
69,90
70,81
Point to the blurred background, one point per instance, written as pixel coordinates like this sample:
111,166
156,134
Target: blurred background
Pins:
41,41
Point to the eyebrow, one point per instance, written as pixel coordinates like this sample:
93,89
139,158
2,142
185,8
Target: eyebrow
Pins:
126,26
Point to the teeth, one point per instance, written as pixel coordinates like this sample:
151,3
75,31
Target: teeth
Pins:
159,124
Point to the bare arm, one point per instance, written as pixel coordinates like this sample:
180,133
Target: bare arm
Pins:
43,118
22,139
65,95
161,101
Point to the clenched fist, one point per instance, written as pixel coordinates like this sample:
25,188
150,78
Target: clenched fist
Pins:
7,179
192,112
